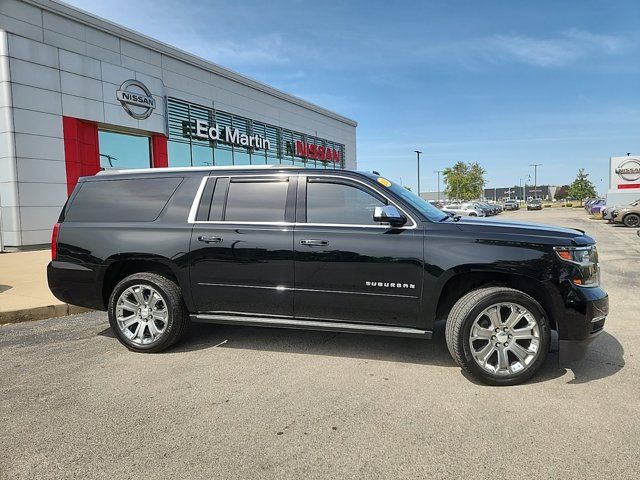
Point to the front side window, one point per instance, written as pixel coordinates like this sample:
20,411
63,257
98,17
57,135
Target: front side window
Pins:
340,203
256,201
123,150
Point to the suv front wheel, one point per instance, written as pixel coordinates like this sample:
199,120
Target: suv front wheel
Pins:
499,335
147,313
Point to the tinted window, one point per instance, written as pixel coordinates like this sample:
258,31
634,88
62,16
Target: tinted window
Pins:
136,200
256,201
340,203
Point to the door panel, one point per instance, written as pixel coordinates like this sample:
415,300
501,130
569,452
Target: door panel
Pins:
368,275
347,267
242,268
242,254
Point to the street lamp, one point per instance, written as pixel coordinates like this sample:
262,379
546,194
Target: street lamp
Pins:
535,178
438,172
418,152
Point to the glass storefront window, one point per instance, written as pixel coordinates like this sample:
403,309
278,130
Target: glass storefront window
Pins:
241,158
123,150
223,156
201,156
179,154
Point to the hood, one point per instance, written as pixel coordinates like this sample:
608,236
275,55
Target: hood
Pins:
538,232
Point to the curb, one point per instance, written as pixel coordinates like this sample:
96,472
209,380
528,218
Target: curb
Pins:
40,313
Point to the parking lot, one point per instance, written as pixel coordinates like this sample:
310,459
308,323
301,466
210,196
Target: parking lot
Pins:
242,402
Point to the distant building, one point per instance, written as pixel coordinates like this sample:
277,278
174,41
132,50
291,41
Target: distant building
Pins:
434,196
544,192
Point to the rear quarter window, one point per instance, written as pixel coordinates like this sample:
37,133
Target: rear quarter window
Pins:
130,200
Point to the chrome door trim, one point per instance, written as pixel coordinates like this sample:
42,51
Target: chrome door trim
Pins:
196,202
282,288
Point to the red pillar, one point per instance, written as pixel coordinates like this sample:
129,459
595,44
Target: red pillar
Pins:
160,158
81,152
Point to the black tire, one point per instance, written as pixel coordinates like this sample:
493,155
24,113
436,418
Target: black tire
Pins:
472,214
178,316
631,220
466,310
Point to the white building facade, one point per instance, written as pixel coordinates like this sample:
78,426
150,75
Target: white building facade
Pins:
79,94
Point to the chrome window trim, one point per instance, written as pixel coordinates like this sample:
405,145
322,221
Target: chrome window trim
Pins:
196,202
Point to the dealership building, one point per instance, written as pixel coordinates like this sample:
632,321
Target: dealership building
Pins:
79,94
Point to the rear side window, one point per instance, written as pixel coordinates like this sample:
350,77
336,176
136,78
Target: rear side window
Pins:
135,200
256,200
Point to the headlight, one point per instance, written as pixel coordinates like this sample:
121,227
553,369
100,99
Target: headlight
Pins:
586,259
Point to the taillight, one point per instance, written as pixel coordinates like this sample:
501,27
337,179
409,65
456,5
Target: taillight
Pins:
54,241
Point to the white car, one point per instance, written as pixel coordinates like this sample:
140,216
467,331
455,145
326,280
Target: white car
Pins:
464,209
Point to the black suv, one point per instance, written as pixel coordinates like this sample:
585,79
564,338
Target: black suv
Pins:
324,250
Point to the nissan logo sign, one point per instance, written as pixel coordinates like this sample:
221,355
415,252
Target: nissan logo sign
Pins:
136,99
629,170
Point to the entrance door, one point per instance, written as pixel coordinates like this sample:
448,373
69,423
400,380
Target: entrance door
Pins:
242,246
348,267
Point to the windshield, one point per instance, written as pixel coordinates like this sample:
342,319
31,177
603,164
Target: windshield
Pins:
432,213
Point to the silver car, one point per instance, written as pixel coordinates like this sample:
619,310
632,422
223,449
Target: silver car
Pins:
464,209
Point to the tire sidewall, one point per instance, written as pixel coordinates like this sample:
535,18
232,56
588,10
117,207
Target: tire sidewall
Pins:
503,297
631,215
142,279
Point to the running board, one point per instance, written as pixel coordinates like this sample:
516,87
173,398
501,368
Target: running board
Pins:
280,322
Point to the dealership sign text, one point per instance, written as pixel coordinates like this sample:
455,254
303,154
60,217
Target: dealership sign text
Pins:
231,135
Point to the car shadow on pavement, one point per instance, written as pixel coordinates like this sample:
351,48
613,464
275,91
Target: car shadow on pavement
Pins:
605,356
309,342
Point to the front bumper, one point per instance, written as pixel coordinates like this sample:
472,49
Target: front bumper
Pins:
584,315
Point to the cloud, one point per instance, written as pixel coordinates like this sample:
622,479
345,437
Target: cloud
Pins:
567,48
563,49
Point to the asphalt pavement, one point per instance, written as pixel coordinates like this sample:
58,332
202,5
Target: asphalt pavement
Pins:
250,403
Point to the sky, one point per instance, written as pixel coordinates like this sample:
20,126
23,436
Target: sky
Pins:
504,83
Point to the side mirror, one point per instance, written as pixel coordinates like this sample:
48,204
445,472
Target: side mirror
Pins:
389,214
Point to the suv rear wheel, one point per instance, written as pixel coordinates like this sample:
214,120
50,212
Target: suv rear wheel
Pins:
499,335
147,313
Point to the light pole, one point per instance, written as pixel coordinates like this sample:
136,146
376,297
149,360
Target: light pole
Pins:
418,152
438,172
535,178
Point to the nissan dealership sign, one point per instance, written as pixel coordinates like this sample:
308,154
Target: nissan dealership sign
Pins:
625,173
136,99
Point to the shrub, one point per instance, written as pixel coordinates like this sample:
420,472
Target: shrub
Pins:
563,205
569,204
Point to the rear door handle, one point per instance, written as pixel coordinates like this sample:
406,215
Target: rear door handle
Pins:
314,243
208,239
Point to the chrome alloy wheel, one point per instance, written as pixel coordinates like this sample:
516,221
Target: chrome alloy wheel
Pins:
505,339
142,314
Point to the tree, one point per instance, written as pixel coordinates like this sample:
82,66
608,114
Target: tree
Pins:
464,181
582,187
562,192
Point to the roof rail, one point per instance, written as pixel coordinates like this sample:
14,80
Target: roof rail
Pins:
115,171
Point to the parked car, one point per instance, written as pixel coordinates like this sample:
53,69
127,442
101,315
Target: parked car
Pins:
464,209
322,250
629,215
597,206
534,204
607,213
511,205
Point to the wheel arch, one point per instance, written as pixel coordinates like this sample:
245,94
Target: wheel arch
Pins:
123,265
461,282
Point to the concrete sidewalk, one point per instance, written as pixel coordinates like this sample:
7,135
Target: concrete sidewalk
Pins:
24,293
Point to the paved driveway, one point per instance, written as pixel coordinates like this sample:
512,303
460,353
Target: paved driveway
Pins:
239,402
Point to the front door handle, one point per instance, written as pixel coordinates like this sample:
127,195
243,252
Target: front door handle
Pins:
208,239
314,243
